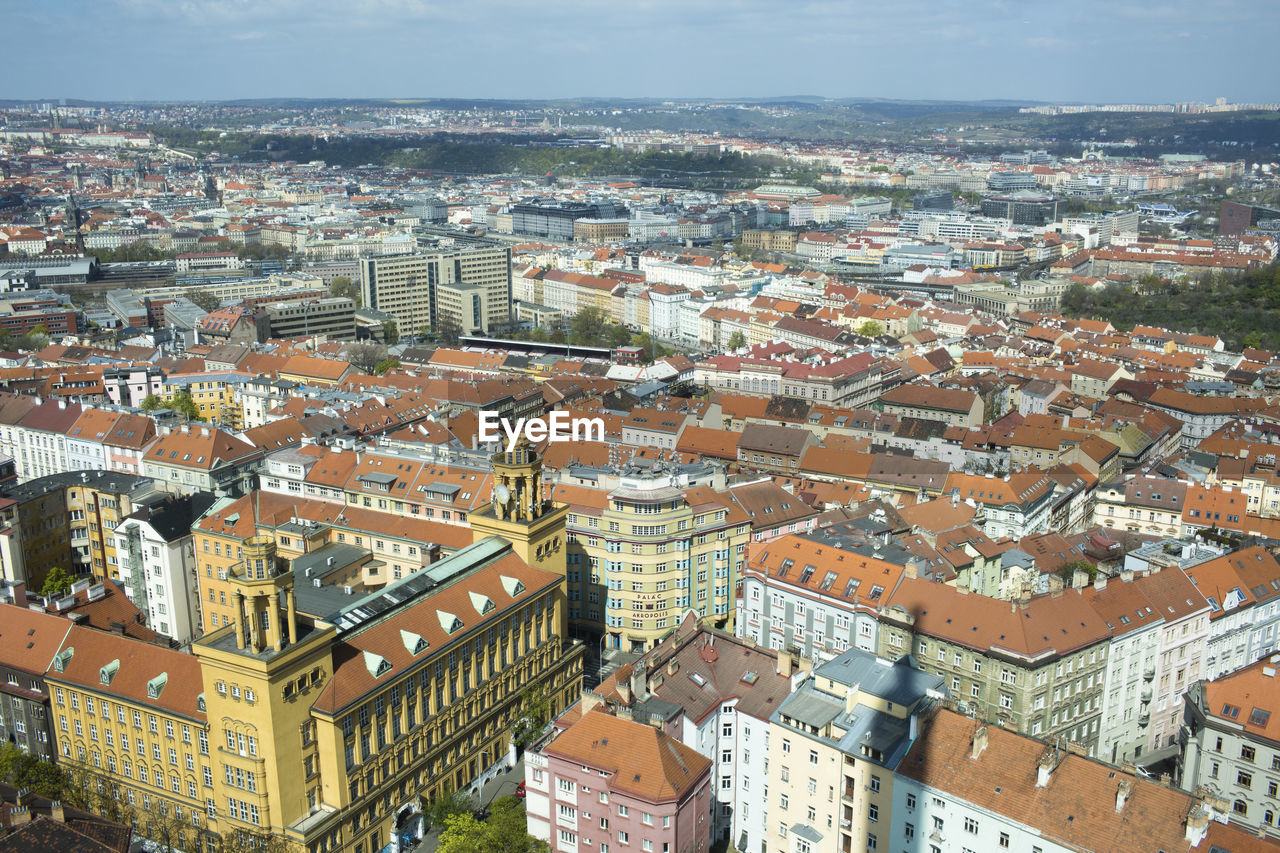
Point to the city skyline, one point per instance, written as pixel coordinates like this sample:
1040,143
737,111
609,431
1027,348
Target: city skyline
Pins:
207,50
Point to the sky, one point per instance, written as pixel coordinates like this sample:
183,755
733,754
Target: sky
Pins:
1088,51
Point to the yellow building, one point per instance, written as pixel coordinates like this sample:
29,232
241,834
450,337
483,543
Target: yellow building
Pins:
326,711
645,550
216,395
67,521
132,714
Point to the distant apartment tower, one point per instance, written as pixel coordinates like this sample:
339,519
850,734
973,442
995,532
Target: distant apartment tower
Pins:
469,287
549,218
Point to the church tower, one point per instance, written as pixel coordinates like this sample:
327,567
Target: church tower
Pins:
520,514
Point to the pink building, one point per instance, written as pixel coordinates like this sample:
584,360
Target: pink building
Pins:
609,785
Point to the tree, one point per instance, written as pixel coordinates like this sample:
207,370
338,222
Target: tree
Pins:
184,404
26,771
56,583
535,713
151,402
869,329
386,364
447,330
505,831
589,327
240,841
438,811
341,285
390,333
463,833
1067,571
737,340
204,299
618,336
365,355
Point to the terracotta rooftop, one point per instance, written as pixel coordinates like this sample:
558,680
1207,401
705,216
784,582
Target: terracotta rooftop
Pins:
640,760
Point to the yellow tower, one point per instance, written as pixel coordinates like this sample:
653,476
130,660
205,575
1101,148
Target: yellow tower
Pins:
261,675
520,513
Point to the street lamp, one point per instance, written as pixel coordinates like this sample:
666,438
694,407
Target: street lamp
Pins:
600,660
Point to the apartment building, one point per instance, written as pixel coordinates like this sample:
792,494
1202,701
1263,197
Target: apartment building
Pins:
834,745
1159,624
67,521
966,785
715,694
406,287
1142,505
950,406
156,561
1230,747
1015,506
645,547
25,718
1036,665
1243,591
196,458
608,783
816,595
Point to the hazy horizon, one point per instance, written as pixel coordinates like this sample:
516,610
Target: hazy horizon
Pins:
943,50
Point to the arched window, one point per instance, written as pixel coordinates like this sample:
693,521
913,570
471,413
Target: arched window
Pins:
1240,807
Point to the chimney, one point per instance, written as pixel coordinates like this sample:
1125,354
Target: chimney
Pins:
1048,763
19,816
1197,824
784,663
1100,582
640,681
56,811
673,667
624,689
1122,793
979,741
911,569
1055,586
1080,579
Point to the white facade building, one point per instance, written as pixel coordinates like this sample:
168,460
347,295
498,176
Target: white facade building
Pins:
157,561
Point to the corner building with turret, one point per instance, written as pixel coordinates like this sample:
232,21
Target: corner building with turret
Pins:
329,708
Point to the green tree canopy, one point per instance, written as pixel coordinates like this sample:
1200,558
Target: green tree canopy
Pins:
343,286
56,583
203,298
26,771
505,831
386,364
589,328
390,333
869,329
737,340
151,402
185,404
